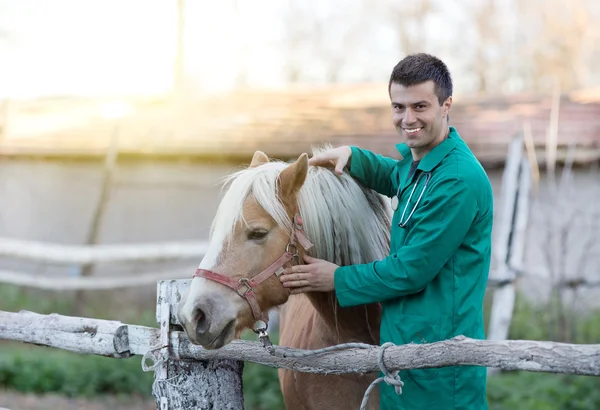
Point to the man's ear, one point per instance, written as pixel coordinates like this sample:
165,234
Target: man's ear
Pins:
447,106
259,158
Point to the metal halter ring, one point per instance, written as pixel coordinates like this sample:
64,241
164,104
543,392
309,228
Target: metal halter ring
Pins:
291,245
295,256
260,326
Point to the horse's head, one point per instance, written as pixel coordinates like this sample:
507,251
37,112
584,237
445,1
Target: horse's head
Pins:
257,230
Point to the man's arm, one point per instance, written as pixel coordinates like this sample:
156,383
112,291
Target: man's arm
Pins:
372,170
440,224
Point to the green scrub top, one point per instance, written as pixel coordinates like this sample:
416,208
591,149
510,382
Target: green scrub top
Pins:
432,284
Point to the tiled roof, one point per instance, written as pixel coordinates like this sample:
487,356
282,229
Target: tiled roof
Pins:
286,123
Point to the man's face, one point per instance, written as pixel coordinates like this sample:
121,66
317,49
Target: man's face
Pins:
418,116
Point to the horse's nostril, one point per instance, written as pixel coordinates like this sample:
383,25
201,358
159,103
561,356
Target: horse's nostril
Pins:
201,322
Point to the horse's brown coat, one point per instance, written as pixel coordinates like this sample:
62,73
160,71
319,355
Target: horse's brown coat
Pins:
307,321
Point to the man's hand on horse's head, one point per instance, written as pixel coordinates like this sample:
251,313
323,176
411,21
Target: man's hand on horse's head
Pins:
316,275
337,158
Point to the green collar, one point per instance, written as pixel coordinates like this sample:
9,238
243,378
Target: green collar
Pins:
436,155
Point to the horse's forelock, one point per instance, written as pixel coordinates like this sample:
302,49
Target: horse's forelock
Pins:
260,182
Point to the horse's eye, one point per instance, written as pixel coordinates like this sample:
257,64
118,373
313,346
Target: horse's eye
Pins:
257,235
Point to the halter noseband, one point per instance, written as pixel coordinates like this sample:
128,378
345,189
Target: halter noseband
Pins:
244,287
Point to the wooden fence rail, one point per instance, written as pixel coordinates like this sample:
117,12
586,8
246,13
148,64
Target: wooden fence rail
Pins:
88,282
90,254
118,340
215,375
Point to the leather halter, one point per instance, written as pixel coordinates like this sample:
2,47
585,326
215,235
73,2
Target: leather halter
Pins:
245,287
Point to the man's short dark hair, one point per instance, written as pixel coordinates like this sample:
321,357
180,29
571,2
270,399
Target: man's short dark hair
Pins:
418,68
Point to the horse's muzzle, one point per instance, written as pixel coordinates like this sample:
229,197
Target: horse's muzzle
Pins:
205,324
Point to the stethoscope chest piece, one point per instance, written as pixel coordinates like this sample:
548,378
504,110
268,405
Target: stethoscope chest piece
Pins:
395,202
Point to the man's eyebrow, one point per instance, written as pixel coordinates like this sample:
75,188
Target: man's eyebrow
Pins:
422,102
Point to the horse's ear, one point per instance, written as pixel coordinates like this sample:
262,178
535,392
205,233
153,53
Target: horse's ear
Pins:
259,158
292,178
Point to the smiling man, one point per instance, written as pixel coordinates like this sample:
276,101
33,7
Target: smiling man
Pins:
432,284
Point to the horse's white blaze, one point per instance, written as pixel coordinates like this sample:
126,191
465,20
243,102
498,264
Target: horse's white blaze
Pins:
203,289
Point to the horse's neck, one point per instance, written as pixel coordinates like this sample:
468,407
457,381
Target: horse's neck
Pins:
357,323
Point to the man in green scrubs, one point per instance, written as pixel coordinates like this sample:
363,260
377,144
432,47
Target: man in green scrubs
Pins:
432,284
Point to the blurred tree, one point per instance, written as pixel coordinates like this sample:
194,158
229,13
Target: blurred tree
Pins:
560,40
295,22
328,35
179,83
407,19
410,20
486,22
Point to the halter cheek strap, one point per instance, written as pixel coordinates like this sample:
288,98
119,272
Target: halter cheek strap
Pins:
244,287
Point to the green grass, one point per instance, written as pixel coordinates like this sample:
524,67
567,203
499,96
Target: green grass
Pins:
543,391
104,304
44,370
37,369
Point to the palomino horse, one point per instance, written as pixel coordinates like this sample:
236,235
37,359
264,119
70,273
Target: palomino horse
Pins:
256,231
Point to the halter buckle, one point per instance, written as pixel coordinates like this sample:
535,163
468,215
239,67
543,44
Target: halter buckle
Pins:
241,283
298,222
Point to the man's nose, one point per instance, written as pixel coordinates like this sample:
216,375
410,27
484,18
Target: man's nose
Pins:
409,117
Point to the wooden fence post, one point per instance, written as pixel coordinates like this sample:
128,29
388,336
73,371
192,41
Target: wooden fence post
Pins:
516,188
190,384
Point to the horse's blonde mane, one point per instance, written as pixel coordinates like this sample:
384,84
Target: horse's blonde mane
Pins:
347,223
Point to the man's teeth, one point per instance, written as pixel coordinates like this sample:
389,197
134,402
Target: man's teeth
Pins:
411,130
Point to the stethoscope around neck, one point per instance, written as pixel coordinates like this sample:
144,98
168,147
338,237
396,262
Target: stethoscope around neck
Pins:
396,200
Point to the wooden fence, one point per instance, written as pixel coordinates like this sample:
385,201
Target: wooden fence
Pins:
93,254
213,378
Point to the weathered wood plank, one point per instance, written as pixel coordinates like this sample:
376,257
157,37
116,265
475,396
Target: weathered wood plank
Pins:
537,356
460,351
87,254
86,283
93,236
509,192
516,183
519,234
190,384
171,291
80,335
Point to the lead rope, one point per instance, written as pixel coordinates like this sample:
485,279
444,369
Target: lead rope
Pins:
391,378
